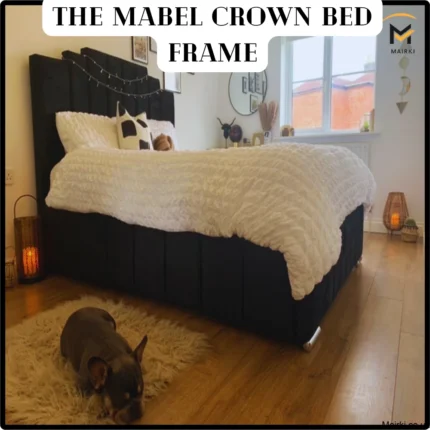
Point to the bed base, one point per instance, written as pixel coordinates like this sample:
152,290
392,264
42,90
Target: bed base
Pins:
230,280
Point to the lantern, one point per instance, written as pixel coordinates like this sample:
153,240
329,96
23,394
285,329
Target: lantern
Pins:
395,212
10,270
28,245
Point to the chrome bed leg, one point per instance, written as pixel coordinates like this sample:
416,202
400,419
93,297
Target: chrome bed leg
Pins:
308,346
359,261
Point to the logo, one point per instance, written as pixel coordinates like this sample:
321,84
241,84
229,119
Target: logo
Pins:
400,34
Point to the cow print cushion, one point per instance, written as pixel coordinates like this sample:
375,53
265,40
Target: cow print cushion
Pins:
133,133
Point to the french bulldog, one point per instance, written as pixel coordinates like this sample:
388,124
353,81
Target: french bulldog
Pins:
105,363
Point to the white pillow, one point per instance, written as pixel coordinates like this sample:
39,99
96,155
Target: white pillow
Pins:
163,127
133,133
86,130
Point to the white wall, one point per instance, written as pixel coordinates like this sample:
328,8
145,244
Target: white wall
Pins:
397,156
195,108
397,153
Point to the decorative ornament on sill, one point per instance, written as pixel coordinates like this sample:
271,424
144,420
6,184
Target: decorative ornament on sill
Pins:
28,243
367,123
257,139
287,131
395,212
226,128
236,134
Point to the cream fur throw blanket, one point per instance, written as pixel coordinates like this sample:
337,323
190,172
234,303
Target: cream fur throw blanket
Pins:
41,386
292,198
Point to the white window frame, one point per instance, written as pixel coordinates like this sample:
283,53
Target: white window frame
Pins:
327,87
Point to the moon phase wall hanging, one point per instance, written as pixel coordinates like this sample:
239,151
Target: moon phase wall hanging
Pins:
406,82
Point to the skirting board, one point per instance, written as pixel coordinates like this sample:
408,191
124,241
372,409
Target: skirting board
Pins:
377,226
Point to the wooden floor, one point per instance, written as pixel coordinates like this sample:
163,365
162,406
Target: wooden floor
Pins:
367,367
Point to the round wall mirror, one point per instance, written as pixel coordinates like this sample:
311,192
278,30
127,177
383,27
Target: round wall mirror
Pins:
247,91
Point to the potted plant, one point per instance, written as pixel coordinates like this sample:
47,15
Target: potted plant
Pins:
365,123
410,231
366,126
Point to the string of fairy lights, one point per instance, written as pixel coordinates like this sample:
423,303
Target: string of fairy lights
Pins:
109,75
115,76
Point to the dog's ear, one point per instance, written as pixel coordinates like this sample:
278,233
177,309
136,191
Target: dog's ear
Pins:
156,143
138,352
99,370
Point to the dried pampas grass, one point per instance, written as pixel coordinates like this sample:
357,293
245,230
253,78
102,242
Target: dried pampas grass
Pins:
268,114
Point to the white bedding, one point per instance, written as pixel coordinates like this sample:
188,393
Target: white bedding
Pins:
289,197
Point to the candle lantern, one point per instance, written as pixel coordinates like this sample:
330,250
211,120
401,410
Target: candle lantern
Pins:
10,270
28,245
395,212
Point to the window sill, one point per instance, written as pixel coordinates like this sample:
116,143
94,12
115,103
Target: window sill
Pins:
354,137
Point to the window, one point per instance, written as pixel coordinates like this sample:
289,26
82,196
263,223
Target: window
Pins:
330,83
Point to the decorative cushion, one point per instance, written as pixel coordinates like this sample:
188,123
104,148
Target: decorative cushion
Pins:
163,127
86,130
133,133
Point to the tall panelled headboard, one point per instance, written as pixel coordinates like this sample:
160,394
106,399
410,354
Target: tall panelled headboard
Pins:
59,85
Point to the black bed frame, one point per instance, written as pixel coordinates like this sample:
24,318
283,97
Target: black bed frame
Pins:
229,279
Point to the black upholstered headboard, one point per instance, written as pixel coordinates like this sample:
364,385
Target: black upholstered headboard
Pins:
59,85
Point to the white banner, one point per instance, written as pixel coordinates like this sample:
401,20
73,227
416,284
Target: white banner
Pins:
206,36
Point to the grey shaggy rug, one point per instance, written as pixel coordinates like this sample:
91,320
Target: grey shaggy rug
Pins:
40,384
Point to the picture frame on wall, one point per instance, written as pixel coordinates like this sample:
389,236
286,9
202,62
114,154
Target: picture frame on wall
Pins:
140,48
244,85
253,103
172,82
258,83
152,45
251,82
